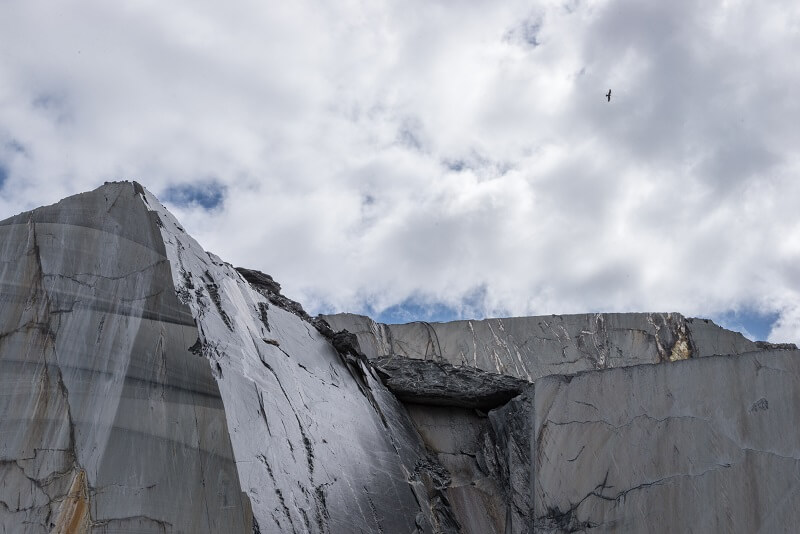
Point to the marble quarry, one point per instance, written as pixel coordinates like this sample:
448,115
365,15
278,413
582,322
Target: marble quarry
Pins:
147,386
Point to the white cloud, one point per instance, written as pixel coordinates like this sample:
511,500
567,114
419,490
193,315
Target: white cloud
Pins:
372,153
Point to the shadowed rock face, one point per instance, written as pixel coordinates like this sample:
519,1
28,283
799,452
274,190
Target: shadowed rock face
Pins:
441,384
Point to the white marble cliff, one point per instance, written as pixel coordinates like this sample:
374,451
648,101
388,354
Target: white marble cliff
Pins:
146,386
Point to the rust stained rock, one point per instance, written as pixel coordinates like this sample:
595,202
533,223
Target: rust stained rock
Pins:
73,514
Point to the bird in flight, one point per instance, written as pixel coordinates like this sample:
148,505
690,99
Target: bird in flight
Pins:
608,95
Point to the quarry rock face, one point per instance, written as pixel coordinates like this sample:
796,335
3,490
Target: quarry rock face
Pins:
532,347
148,386
108,423
710,445
564,467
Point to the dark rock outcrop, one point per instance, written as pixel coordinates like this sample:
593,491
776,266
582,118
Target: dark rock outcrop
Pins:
532,347
441,384
345,343
264,284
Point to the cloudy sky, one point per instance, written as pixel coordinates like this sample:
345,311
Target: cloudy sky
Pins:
435,160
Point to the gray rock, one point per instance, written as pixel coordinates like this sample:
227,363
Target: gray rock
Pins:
710,339
441,384
706,445
148,387
457,438
106,418
507,453
320,444
532,347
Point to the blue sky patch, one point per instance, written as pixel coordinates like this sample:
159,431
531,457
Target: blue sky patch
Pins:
417,308
3,175
752,324
208,195
410,311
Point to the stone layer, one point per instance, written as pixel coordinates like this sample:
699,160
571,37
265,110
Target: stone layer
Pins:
532,347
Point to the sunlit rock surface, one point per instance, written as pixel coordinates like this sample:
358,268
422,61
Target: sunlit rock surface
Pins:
107,421
148,386
532,347
320,444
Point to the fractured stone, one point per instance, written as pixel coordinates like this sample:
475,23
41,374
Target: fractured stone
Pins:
705,445
532,347
148,386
